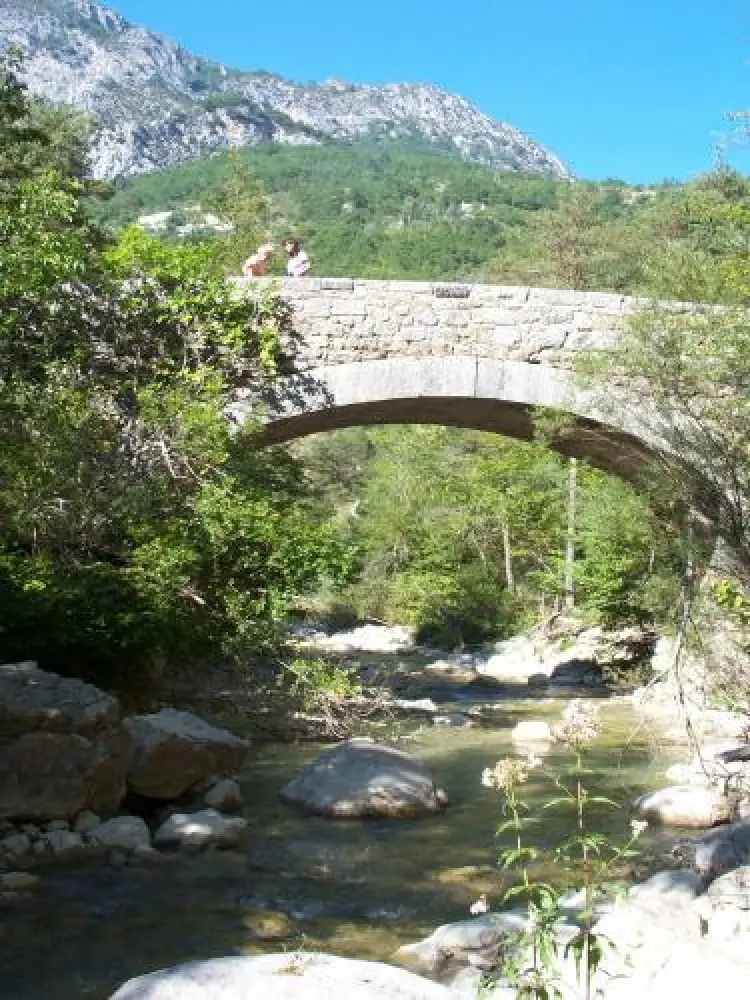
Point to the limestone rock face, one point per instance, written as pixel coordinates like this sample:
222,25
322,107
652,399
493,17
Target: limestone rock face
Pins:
47,775
282,977
156,104
359,778
687,805
174,751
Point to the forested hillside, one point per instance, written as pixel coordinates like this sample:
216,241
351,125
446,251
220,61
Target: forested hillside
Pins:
367,210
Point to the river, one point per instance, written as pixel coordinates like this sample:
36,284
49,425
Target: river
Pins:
295,882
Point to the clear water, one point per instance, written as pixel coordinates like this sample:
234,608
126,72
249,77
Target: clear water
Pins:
296,882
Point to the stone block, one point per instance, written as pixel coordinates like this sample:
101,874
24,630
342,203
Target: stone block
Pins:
348,307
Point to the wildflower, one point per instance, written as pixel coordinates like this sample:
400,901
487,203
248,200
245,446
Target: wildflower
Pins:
533,760
578,726
638,826
505,774
479,907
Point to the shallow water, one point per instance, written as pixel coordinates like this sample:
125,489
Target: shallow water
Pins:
347,887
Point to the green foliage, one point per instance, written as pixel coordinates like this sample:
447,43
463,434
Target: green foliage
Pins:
463,534
318,682
134,518
369,210
591,860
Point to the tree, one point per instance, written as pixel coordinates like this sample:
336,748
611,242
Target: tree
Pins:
134,518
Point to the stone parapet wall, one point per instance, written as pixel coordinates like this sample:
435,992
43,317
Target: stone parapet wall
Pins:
340,321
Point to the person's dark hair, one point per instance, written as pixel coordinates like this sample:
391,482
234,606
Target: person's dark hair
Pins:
294,245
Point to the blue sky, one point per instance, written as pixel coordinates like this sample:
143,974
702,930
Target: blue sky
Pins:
635,89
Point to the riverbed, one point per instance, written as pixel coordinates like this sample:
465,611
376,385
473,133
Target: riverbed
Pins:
354,888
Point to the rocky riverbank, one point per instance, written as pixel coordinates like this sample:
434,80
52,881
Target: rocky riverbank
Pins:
292,868
76,776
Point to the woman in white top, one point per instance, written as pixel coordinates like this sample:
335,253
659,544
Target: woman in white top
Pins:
298,263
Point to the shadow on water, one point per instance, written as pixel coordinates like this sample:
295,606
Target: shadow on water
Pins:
348,887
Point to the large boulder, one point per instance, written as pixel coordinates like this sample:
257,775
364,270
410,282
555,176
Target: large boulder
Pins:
687,805
33,700
283,977
359,778
62,748
55,775
175,751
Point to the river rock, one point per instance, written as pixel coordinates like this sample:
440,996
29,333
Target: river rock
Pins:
478,942
532,730
686,805
62,841
577,673
14,845
200,829
86,821
125,833
718,851
359,778
708,768
49,775
62,748
454,720
35,701
288,976
174,751
225,795
18,881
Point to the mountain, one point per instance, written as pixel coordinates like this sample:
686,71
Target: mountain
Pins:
156,104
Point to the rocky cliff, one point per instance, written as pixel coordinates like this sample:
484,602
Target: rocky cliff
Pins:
156,104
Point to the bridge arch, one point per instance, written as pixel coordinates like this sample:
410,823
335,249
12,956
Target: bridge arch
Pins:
464,391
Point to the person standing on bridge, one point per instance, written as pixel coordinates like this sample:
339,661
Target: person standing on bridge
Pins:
255,266
298,263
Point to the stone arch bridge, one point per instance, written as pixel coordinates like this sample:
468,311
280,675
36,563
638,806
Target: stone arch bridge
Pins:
476,356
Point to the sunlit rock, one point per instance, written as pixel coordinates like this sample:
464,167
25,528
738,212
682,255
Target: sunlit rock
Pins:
359,778
290,976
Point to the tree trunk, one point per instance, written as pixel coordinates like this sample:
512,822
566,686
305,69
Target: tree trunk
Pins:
570,545
508,555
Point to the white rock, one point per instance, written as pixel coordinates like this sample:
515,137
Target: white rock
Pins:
225,795
360,778
531,730
290,976
62,841
686,805
668,888
200,829
466,942
124,833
